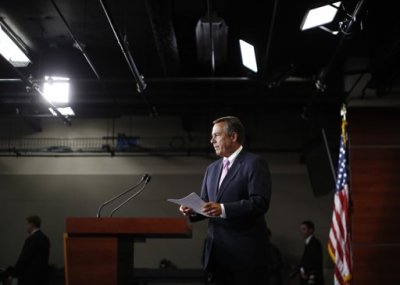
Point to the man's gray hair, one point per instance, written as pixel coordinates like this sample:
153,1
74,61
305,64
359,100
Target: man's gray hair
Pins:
233,125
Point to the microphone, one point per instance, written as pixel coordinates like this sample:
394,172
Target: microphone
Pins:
144,178
147,180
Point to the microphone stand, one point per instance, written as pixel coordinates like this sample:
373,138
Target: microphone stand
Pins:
133,196
144,177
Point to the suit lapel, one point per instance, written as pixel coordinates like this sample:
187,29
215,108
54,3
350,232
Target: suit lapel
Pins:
230,175
212,192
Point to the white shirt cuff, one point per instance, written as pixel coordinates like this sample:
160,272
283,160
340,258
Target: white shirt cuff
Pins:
223,214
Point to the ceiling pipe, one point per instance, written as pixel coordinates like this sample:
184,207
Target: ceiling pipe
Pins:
269,41
81,48
294,79
29,84
160,17
77,43
140,84
282,77
125,50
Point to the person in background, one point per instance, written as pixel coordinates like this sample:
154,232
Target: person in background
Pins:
310,267
33,262
237,192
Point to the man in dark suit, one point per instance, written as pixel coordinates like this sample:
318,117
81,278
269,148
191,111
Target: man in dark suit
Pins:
237,196
32,265
310,267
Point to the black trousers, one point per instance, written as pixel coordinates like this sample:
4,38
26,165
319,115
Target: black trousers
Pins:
253,276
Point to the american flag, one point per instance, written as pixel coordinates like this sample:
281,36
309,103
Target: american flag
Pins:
339,236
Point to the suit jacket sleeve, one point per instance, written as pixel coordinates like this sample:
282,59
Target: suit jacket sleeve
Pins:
203,195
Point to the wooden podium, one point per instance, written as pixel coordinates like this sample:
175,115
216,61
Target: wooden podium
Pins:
100,250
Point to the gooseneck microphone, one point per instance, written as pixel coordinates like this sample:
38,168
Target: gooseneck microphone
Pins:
145,178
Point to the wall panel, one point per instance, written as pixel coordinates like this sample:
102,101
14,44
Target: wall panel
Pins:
374,135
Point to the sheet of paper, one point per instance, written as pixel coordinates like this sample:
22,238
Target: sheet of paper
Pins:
192,201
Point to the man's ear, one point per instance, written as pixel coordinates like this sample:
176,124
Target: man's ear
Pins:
234,137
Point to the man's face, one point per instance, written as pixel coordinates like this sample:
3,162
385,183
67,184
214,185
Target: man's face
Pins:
223,143
305,231
29,227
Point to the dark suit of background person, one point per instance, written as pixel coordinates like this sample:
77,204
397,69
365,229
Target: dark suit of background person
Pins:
32,265
310,266
236,248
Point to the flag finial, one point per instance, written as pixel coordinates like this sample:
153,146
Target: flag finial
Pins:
343,113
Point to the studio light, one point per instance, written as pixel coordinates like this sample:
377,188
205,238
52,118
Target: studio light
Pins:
320,16
11,49
65,111
56,89
211,39
248,55
345,26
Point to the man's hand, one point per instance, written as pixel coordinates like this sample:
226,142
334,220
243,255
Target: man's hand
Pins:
212,209
186,211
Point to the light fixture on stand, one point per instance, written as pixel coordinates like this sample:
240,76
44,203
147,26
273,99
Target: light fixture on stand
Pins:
248,55
320,16
313,18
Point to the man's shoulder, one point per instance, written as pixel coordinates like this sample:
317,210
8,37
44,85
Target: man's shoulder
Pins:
250,157
315,241
39,235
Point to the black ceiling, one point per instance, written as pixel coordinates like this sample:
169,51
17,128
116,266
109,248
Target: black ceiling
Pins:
75,38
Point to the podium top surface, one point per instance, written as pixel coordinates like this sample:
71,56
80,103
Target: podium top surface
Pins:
134,227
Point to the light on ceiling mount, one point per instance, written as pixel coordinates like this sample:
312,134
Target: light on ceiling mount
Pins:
320,16
56,89
345,27
11,47
212,40
248,55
